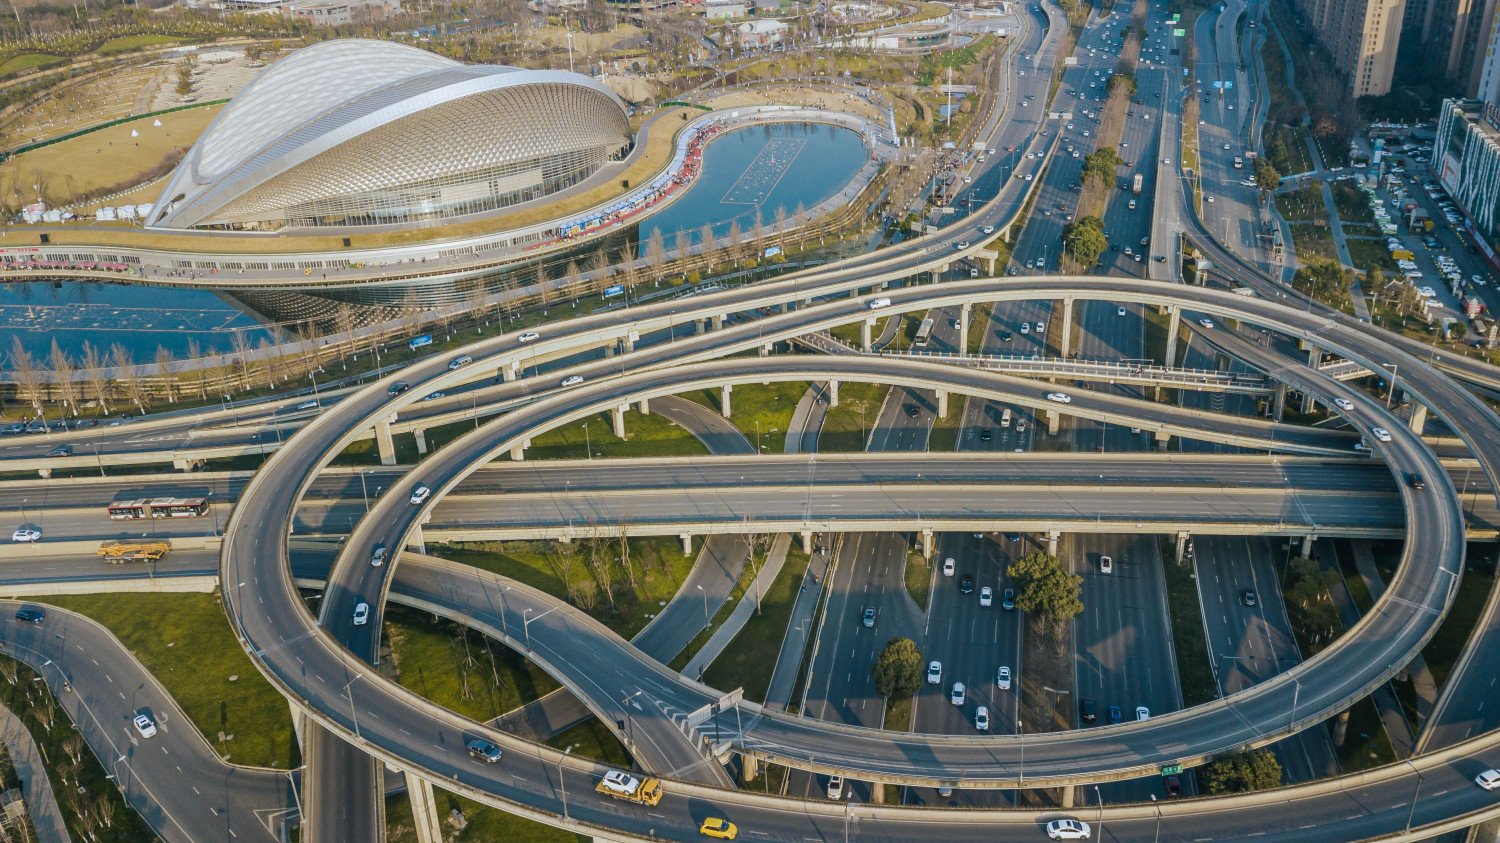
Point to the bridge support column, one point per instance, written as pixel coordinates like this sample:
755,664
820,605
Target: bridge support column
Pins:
1314,359
697,327
1418,421
644,406
384,443
1052,537
179,464
1182,540
421,436
1307,543
965,315
724,399
750,765
620,420
1174,326
877,792
1162,438
1068,796
424,810
765,350
717,321
942,399
687,543
1067,328
1054,422
833,393
864,333
510,371
807,542
47,472
1278,404
418,541
518,453
926,543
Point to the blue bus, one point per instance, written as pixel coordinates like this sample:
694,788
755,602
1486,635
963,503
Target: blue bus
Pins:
417,342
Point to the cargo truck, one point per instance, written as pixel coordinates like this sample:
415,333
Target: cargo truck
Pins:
1137,184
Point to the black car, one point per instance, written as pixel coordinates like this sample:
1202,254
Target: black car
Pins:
986,434
1088,710
966,584
912,410
1415,481
61,451
1248,597
868,619
1008,599
31,614
483,750
397,388
1006,336
1174,787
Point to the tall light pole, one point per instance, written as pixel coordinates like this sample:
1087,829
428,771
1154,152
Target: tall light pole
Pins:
353,710
562,782
1100,799
1157,838
1391,391
526,620
629,722
705,605
1416,794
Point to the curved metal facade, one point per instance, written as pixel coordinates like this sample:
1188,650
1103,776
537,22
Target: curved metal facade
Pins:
358,132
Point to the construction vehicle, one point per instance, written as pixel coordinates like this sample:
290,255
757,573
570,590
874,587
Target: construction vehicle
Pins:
622,785
120,552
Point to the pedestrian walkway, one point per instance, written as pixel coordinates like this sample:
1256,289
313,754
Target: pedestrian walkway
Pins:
721,637
36,788
799,630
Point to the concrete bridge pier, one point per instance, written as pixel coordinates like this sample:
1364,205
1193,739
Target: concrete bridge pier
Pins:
418,540
510,371
424,809
687,543
178,463
877,792
421,436
965,315
518,452
1307,544
864,333
619,415
807,543
384,443
1068,795
1174,327
1067,329
1054,421
765,350
926,543
750,767
628,341
724,399
833,393
1162,438
717,320
1278,404
942,399
1418,420
1314,359
1182,540
644,406
1052,537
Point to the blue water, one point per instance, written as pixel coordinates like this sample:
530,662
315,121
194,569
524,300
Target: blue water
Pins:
757,170
141,319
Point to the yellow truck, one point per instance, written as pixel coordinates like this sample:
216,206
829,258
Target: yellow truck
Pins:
631,788
120,552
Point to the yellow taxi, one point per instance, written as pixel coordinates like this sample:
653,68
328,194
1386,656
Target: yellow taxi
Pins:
715,827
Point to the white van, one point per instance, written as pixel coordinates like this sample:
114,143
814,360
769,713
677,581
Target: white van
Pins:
876,304
1005,418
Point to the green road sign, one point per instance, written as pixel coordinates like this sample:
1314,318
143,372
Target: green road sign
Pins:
1179,32
1171,769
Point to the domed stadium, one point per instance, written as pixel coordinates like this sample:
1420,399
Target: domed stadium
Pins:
357,132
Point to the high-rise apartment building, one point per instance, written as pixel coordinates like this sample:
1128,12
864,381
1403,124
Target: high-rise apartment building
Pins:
1361,35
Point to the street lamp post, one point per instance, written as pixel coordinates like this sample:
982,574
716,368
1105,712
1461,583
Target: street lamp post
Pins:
1416,794
353,709
1157,837
1391,391
526,620
629,722
1100,799
504,612
705,605
562,783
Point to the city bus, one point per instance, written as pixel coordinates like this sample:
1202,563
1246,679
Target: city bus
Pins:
141,508
1005,418
924,334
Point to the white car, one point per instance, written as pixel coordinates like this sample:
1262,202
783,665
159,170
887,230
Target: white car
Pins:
1205,322
1069,830
986,596
529,336
361,614
1003,678
1209,199
573,381
1489,779
1142,713
1041,327
982,719
934,673
876,304
1060,397
1381,434
144,725
307,405
948,566
420,494
989,229
1119,311
1106,565
958,694
26,534
1026,327
1343,403
836,787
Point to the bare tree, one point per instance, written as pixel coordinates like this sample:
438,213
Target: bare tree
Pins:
27,374
126,376
656,254
200,372
63,369
166,368
240,342
706,244
9,671
780,224
572,280
682,243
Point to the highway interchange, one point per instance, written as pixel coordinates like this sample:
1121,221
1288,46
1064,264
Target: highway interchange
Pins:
321,663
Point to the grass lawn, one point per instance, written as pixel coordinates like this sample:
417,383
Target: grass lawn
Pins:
849,333
109,159
1370,254
1453,634
186,642
898,714
918,578
485,823
28,61
1304,203
979,322
430,659
1193,667
645,436
126,43
758,410
749,660
1313,241
846,427
549,566
944,435
591,739
1352,203
1366,744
